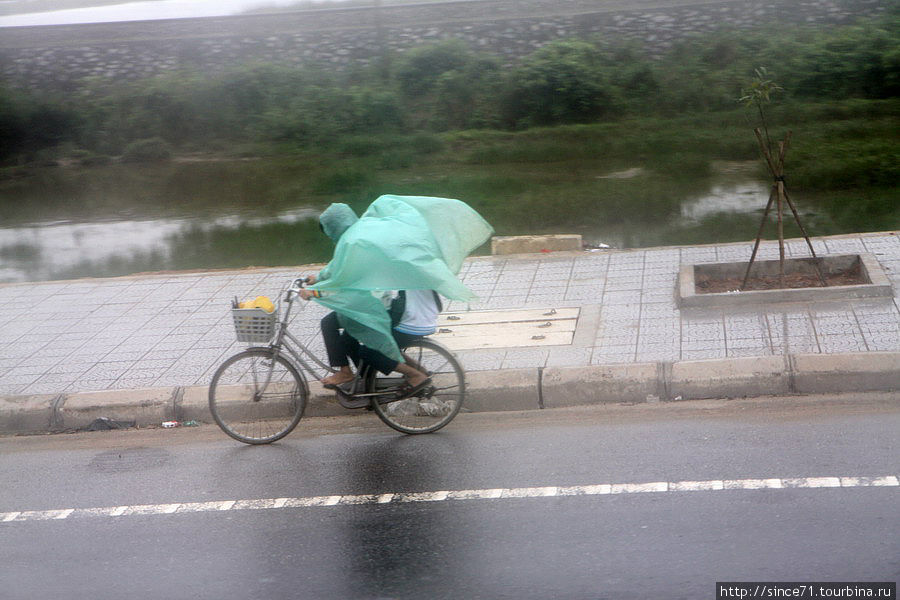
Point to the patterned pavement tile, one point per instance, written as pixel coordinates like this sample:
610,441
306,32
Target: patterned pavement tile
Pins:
173,329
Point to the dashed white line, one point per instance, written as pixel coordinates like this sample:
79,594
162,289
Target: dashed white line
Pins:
453,495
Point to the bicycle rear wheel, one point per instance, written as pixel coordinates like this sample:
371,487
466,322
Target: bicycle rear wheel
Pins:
256,397
432,408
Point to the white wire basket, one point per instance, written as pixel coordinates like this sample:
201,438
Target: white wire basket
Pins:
254,325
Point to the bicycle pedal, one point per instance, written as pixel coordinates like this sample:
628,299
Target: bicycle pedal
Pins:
347,400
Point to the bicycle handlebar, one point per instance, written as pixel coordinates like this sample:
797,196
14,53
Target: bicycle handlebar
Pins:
295,288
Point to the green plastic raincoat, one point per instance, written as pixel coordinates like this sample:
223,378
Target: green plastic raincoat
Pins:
400,243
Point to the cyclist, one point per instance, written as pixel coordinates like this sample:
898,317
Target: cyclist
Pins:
407,243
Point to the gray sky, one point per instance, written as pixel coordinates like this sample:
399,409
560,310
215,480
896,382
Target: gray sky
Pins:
140,11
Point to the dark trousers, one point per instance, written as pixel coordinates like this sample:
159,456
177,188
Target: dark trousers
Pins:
342,347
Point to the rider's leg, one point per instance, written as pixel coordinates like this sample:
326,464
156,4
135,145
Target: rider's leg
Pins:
338,347
403,340
384,364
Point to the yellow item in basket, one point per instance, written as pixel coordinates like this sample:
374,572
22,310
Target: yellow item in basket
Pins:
262,302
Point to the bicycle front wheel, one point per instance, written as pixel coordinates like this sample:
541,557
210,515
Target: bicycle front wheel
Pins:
257,397
432,408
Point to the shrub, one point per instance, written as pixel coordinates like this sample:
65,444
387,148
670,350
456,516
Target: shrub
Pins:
563,82
421,68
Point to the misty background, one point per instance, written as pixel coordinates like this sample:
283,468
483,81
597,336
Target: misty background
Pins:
61,12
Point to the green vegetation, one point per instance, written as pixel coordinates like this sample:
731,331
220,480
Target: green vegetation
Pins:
541,136
451,87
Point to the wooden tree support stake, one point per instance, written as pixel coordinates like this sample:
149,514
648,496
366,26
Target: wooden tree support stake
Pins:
779,197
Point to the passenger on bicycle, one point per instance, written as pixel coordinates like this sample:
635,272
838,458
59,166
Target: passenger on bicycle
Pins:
413,315
410,243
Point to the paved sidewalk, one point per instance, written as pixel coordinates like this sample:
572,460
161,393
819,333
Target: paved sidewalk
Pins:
170,331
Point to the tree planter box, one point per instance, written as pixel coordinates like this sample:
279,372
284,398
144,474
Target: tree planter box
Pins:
875,282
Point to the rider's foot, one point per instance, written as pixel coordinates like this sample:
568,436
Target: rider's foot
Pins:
416,380
338,378
414,377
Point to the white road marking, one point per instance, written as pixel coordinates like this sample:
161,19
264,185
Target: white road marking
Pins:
454,495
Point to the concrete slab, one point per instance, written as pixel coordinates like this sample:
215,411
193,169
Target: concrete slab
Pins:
506,329
872,371
509,389
729,378
192,404
146,407
512,335
26,414
574,386
525,244
476,317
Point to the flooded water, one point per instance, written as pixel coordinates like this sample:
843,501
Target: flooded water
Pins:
64,249
118,221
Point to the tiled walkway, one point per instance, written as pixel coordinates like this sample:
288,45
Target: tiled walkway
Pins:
174,329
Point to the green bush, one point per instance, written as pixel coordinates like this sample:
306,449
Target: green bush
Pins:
449,87
421,68
30,126
563,82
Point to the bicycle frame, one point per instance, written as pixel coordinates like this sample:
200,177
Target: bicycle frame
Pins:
284,338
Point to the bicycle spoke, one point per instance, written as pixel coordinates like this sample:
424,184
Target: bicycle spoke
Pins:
437,404
257,399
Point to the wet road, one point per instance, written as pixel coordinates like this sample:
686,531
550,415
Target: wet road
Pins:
621,502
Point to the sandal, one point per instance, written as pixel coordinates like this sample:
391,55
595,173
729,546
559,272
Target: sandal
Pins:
334,386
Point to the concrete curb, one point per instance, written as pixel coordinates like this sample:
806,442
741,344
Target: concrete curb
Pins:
573,386
863,371
511,389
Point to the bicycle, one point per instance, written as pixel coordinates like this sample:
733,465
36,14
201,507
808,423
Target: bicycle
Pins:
259,395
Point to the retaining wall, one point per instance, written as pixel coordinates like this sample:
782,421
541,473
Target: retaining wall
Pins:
59,57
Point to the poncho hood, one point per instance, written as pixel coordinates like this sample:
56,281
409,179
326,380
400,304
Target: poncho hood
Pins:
336,219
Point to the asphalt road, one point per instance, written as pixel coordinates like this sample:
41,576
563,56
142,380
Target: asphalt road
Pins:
619,502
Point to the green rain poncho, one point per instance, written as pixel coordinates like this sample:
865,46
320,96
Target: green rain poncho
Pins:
400,243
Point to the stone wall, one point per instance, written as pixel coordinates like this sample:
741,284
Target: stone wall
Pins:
58,57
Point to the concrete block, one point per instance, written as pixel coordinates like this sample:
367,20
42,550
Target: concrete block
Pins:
574,386
26,414
193,404
144,406
508,389
527,244
729,377
851,372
